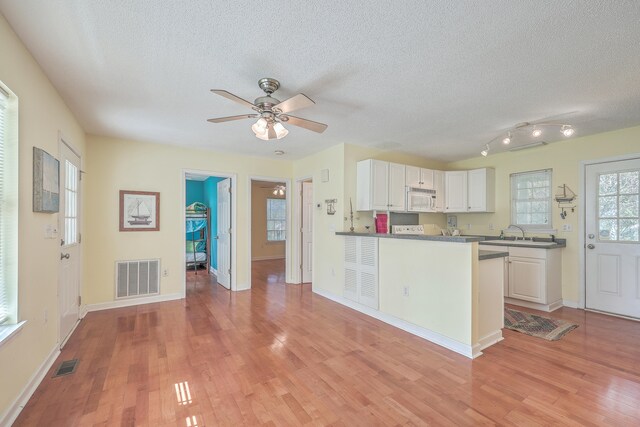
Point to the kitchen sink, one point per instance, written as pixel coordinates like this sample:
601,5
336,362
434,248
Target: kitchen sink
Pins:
519,243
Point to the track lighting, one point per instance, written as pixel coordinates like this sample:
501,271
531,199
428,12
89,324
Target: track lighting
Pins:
523,132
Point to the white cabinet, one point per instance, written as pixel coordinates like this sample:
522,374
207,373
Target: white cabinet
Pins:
470,191
397,193
361,270
438,185
481,190
380,186
419,178
533,277
455,183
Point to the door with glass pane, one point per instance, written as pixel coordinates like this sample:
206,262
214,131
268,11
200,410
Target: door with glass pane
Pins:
69,280
612,254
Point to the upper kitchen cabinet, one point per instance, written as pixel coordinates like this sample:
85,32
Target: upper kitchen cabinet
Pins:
438,185
419,177
470,191
455,184
380,186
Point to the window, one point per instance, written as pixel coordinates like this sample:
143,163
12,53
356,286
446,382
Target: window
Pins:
531,200
8,209
618,206
276,220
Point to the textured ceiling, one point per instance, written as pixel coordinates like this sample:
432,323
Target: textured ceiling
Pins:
433,78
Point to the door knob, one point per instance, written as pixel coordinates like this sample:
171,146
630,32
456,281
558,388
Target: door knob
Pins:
591,236
64,256
591,246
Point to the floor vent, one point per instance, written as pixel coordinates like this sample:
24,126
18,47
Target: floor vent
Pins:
137,278
67,367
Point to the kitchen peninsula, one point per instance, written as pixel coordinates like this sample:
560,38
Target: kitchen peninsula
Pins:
441,288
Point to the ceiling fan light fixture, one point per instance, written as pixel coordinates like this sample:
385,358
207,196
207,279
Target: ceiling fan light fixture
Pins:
280,130
260,126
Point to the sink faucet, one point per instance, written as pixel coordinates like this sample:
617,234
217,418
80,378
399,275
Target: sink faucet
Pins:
519,228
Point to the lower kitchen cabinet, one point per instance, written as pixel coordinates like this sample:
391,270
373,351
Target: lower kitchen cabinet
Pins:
533,277
361,270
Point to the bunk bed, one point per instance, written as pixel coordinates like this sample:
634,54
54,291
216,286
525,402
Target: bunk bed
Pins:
198,245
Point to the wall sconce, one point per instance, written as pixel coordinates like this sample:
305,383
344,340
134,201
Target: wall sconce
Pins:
331,206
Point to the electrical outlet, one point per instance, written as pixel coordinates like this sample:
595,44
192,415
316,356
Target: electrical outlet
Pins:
405,291
567,227
165,272
490,226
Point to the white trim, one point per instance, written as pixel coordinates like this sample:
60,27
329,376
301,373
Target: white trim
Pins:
234,220
287,184
268,257
582,284
213,270
13,410
570,304
296,238
9,331
427,334
75,325
131,302
489,340
534,305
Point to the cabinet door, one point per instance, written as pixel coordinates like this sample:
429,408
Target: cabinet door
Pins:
455,183
380,185
477,193
426,176
527,279
368,275
397,189
413,177
438,185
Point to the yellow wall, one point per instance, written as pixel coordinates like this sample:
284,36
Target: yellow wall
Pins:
564,158
260,247
42,114
113,165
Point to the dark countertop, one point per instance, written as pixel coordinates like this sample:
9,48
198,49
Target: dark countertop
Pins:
482,254
456,239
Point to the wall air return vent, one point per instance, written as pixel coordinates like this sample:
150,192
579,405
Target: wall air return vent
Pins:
137,278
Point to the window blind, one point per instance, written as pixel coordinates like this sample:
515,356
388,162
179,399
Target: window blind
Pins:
276,220
4,294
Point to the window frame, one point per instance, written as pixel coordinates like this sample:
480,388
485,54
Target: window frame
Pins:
268,218
514,201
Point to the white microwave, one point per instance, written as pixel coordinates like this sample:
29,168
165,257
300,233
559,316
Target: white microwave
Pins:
421,200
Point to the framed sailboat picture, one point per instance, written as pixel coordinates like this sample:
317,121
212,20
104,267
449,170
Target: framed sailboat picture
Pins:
139,211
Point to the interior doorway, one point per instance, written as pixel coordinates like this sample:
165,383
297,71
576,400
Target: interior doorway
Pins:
268,239
208,214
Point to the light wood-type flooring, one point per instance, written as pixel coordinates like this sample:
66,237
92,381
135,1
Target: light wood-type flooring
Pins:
279,355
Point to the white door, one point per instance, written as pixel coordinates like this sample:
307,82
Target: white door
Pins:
413,177
224,233
69,228
307,230
380,185
477,190
612,254
397,188
438,185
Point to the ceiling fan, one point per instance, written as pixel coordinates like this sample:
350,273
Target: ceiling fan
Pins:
271,113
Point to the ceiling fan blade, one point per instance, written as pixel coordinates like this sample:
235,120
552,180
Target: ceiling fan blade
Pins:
232,97
307,124
230,118
296,102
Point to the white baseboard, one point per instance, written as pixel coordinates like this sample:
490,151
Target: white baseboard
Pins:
213,271
534,305
570,304
427,334
487,341
242,287
131,302
265,258
12,412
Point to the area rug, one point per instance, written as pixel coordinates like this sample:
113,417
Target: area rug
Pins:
537,326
